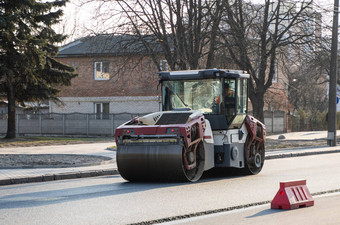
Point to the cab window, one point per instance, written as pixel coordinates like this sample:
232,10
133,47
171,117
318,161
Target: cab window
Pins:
230,98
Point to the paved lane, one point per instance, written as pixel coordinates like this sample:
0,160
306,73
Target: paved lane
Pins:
325,212
111,200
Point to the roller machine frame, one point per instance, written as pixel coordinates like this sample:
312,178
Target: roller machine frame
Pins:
203,124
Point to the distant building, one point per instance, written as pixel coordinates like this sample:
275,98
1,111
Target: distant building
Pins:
115,75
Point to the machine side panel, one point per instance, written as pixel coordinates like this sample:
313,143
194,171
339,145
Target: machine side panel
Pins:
229,155
229,147
208,142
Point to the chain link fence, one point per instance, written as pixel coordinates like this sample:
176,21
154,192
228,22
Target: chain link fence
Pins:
95,124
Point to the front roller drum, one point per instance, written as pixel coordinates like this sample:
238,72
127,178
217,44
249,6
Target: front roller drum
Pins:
158,162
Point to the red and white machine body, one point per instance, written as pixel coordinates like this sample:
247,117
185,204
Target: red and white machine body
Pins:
195,132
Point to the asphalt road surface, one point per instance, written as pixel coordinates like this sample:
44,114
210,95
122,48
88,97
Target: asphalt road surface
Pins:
325,212
112,200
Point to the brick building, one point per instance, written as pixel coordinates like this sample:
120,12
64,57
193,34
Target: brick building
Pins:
115,75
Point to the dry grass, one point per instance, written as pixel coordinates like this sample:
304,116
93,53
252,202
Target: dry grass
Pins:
288,144
45,141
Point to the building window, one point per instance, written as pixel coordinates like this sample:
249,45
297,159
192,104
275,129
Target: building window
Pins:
101,71
275,76
74,65
163,65
101,111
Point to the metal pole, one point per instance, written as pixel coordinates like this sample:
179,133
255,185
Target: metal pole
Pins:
18,124
63,123
40,123
331,138
87,124
272,121
113,124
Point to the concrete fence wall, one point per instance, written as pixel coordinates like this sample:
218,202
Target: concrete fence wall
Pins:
275,121
99,124
67,124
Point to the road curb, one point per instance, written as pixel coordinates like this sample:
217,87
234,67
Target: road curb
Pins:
58,176
298,154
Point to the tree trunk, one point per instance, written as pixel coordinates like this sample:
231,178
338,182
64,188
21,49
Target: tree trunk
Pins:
11,111
258,104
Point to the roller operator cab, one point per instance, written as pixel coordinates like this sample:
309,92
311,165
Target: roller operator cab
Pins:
203,124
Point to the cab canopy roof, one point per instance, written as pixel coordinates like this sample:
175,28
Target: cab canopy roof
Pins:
202,74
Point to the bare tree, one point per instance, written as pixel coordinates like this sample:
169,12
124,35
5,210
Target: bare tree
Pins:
256,33
185,31
307,79
191,34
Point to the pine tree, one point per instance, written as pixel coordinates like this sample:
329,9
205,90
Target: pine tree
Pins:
28,43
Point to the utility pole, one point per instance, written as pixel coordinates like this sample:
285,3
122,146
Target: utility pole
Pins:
331,138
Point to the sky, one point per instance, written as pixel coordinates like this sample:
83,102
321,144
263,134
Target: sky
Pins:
79,21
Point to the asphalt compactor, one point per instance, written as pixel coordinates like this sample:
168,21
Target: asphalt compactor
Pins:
203,124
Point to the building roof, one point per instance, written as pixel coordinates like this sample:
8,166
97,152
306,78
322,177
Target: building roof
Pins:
106,44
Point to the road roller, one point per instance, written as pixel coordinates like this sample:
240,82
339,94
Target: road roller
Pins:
203,124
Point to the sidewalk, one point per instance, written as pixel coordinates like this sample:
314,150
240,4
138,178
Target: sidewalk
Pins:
308,135
24,175
301,136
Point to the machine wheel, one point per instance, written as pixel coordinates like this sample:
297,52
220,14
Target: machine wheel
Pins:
253,157
195,173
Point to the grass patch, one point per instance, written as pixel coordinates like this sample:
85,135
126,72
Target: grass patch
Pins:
29,141
45,141
66,138
287,144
